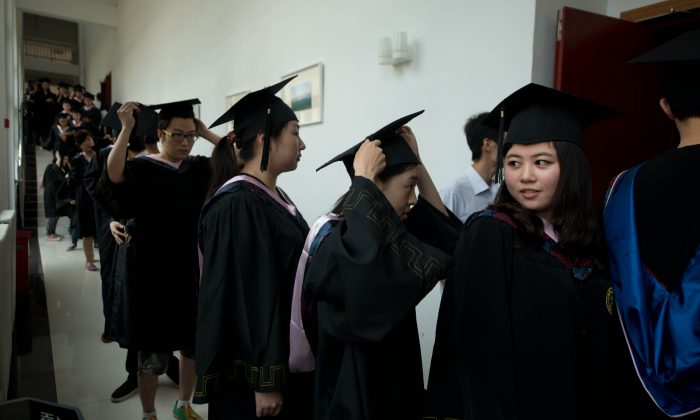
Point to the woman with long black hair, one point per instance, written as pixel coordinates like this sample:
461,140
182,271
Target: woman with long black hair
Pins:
526,318
251,235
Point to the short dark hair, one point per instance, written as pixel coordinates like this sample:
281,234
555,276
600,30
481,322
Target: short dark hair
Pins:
81,136
572,211
476,133
165,122
681,88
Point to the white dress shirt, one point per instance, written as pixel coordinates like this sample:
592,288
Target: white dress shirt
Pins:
468,194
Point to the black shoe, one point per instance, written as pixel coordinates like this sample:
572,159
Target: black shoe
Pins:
173,371
126,390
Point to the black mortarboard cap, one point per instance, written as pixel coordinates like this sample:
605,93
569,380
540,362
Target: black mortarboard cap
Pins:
679,59
685,47
89,95
259,110
63,115
396,150
76,108
111,120
536,113
63,85
147,118
78,87
177,109
44,79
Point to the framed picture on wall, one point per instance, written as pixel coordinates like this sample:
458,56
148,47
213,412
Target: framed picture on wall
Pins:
304,94
230,100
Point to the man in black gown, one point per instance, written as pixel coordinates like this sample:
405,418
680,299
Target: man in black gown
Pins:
666,207
163,194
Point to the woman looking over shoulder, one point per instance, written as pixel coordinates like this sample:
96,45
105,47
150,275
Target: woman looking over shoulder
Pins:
525,319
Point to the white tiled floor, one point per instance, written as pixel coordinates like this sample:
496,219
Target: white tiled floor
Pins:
87,370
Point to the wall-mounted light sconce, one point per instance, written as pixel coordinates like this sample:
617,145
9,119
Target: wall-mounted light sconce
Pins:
396,53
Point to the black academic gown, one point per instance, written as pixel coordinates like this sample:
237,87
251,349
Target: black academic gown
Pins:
251,246
106,243
66,148
119,295
52,180
165,204
518,335
86,206
365,280
667,211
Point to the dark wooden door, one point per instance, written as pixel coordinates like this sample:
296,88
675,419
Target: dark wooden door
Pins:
590,60
106,90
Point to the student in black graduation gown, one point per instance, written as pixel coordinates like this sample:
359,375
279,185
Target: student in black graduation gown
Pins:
105,241
53,178
90,111
110,233
251,236
526,318
385,254
46,108
652,228
163,194
62,138
85,213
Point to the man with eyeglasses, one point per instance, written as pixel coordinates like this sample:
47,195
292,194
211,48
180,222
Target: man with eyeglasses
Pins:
163,193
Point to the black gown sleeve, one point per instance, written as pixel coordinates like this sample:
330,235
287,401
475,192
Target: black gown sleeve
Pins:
118,199
429,225
370,272
93,172
77,169
241,324
472,368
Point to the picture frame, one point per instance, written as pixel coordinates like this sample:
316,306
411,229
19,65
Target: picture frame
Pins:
230,100
304,94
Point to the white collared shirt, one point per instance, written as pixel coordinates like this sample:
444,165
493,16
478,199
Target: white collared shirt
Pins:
468,194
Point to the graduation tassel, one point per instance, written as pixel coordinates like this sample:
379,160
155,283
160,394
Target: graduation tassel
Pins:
266,141
498,176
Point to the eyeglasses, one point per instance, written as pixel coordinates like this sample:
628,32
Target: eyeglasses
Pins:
181,136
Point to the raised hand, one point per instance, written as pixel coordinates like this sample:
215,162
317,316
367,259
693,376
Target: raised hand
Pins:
370,160
126,114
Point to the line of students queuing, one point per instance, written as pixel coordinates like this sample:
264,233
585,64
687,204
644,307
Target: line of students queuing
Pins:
72,137
274,318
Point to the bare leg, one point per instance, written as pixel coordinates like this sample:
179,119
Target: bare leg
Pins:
187,378
88,249
148,385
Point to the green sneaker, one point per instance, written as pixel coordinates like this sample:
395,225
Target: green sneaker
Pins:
185,413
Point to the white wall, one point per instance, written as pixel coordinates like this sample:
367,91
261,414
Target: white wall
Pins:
98,47
4,174
9,103
469,54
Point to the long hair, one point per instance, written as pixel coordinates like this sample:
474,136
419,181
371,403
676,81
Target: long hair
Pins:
225,165
572,212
